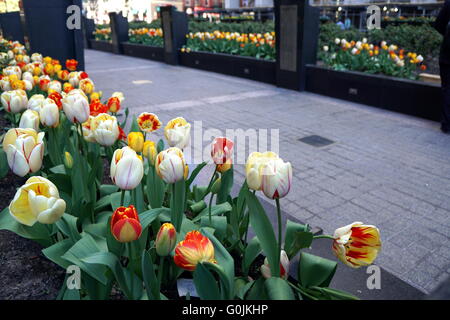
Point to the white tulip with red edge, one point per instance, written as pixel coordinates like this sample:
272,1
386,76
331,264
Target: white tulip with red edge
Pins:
284,267
127,168
49,113
14,101
29,120
76,106
276,178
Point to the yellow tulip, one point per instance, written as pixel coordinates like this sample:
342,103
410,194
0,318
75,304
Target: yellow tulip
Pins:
68,160
254,168
136,141
149,151
37,201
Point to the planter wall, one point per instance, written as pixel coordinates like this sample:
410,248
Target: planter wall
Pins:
410,97
244,67
143,51
101,45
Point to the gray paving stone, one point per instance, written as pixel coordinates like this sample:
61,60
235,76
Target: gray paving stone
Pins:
384,168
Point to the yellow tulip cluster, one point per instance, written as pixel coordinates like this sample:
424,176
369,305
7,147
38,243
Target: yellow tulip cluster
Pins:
255,38
152,32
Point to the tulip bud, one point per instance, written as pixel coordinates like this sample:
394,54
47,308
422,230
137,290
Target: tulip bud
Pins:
113,104
14,101
276,179
37,201
165,239
125,224
49,113
29,119
71,64
170,165
284,267
136,141
127,168
149,151
68,160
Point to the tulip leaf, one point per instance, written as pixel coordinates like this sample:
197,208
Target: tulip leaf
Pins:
71,294
257,291
205,283
62,182
160,145
264,231
251,252
226,183
102,203
115,199
215,210
55,252
107,189
61,169
217,223
134,125
199,192
147,217
297,237
332,294
177,203
155,188
149,276
68,226
4,167
113,245
315,271
194,174
138,197
278,289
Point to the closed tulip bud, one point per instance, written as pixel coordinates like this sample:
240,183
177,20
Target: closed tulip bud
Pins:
14,101
74,79
37,201
127,168
24,150
113,104
29,119
194,249
356,244
166,239
254,168
88,135
284,267
149,151
49,113
276,179
105,129
68,160
125,224
136,141
178,133
170,165
76,106
35,102
71,64
28,76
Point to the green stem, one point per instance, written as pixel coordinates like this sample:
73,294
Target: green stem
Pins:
277,201
211,181
209,209
160,272
324,236
122,197
303,292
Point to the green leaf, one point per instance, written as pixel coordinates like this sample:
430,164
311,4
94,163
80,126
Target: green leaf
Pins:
160,145
297,237
113,245
149,275
68,226
107,189
115,199
264,231
194,174
55,252
4,167
103,203
251,252
155,188
215,210
315,271
218,223
205,283
225,186
278,289
149,216
257,290
177,203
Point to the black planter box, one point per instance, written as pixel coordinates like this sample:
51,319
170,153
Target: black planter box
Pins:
244,67
101,45
143,51
410,97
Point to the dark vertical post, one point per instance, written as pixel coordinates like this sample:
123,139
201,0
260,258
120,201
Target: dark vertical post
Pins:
297,32
175,28
88,31
119,30
51,29
12,26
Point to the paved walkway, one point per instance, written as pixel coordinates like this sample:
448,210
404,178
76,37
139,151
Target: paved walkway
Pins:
383,168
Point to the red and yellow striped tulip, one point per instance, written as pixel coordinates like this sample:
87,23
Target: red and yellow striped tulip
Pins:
166,239
148,122
194,249
356,244
125,224
71,64
221,153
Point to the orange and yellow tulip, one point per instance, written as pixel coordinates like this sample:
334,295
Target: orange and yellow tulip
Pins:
125,224
194,249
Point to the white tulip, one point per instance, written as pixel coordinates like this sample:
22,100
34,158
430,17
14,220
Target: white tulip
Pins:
35,102
276,179
29,120
178,133
284,267
55,85
14,101
105,129
170,165
127,168
76,106
49,113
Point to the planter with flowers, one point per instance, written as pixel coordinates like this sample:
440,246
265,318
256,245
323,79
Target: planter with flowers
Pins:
102,39
146,43
378,75
148,225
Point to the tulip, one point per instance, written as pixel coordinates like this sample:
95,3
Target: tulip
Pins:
127,168
276,179
49,113
54,86
24,150
5,85
170,165
113,104
254,168
284,267
35,102
325,48
37,201
221,153
13,70
87,86
95,96
71,64
125,224
118,95
57,98
63,75
76,106
74,79
67,87
14,101
87,132
357,244
28,76
136,141
149,151
165,239
178,132
105,129
148,122
36,57
29,119
68,160
96,107
194,249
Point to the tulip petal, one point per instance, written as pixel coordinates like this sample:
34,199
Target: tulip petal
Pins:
35,160
17,161
20,209
56,209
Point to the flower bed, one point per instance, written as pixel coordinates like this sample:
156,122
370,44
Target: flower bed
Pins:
149,37
148,224
102,33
